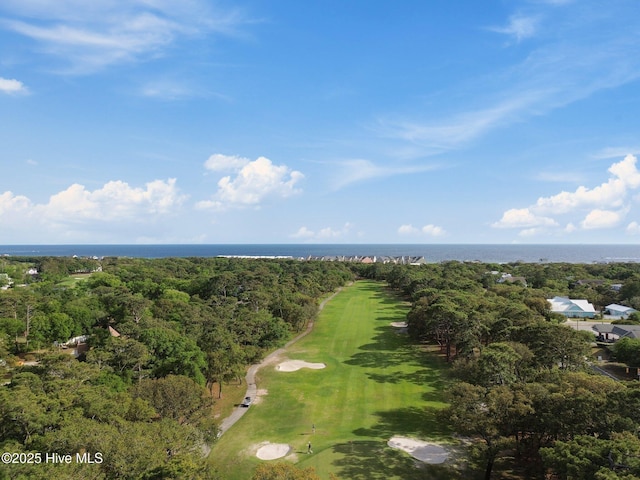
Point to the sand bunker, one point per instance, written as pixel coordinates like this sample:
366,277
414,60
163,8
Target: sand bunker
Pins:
424,451
271,451
293,365
399,324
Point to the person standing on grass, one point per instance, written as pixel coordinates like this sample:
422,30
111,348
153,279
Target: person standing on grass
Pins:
309,448
313,428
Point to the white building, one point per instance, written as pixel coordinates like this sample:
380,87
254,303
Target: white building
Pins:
572,308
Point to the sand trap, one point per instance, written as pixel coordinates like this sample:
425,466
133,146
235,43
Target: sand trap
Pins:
293,365
399,324
271,451
424,451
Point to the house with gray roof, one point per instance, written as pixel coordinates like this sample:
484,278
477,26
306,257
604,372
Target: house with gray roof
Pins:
608,331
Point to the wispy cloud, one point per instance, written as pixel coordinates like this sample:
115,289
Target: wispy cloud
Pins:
352,171
93,35
519,27
595,52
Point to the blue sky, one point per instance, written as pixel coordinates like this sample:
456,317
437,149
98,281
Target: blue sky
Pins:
286,121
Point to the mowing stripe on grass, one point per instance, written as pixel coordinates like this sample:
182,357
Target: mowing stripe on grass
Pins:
375,385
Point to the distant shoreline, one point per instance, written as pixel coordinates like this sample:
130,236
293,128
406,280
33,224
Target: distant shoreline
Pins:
432,253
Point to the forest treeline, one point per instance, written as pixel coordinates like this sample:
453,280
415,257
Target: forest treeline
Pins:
522,385
160,334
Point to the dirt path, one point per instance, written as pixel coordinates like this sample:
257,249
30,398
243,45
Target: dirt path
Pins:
270,359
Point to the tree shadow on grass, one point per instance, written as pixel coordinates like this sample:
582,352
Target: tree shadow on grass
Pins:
386,349
423,376
410,421
373,460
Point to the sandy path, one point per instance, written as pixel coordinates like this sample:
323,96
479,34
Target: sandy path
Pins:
272,358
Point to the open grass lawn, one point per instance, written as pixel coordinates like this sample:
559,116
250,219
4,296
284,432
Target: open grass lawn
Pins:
72,280
376,384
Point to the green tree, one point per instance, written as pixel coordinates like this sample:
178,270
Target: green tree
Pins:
176,397
488,414
587,457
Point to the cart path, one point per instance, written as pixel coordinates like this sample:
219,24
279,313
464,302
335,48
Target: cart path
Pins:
272,358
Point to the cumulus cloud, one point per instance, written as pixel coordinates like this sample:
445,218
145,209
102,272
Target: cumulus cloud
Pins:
326,233
603,206
428,230
613,193
11,86
601,219
522,218
13,204
254,182
116,201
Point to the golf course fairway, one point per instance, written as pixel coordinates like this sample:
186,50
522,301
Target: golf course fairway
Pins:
375,385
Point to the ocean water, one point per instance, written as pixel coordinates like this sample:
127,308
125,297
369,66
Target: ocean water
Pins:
431,252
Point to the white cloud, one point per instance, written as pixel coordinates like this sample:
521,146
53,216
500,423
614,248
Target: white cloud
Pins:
519,26
601,219
633,228
408,230
11,86
459,129
92,35
609,194
254,182
523,218
225,163
603,206
433,230
358,170
12,204
303,233
326,233
594,53
115,202
429,230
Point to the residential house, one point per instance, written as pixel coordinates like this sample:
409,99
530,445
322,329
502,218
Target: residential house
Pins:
618,311
508,278
608,331
572,308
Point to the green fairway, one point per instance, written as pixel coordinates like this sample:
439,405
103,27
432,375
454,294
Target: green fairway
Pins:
376,384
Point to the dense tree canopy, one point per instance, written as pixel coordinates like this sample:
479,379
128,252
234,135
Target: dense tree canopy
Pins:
161,333
158,332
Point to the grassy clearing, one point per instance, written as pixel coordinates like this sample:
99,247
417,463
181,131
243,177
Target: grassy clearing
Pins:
72,280
376,385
